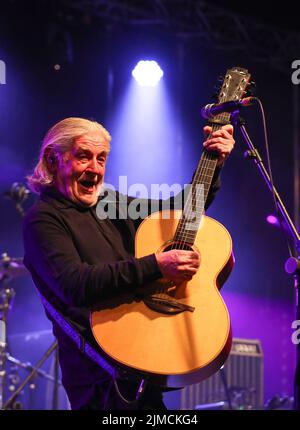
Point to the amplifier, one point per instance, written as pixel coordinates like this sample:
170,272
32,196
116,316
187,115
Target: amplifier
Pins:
239,383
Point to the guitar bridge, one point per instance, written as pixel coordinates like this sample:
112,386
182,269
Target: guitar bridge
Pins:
165,304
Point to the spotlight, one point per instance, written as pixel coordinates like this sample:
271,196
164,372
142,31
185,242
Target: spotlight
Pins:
147,73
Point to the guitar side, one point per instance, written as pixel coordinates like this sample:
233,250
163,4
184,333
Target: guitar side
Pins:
179,349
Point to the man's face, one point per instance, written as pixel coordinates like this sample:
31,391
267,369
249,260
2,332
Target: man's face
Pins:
81,172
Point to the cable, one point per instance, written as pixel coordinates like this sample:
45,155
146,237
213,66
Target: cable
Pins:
286,237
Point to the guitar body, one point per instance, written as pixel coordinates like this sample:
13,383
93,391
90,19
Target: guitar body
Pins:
181,348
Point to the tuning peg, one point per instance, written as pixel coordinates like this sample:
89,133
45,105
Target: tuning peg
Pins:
251,89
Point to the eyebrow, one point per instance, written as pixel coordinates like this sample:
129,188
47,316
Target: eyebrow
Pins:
83,149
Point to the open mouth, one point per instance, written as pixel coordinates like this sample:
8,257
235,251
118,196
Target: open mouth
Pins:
88,185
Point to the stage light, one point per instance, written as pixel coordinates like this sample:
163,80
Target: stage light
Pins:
272,219
147,73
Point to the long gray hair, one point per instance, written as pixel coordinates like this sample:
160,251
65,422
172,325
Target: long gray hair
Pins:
57,141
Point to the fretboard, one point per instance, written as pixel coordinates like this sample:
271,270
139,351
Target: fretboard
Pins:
189,222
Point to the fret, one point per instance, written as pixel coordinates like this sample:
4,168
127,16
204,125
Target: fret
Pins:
208,169
204,179
209,177
186,238
188,228
188,225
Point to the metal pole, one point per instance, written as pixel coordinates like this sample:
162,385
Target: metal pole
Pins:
296,154
31,375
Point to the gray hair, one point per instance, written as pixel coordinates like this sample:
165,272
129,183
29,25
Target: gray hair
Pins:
58,140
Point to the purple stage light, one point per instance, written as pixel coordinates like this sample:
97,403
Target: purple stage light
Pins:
272,219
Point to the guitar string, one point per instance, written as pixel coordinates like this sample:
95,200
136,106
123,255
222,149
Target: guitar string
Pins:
205,180
191,209
181,230
188,208
198,179
203,167
182,233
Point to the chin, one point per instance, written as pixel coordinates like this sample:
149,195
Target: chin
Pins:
87,201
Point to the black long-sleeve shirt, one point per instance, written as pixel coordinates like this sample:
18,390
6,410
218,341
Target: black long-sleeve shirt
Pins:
76,260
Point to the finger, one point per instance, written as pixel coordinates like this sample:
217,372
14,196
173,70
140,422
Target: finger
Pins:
221,133
218,141
194,257
187,270
187,274
192,266
188,254
207,130
229,128
220,148
188,263
190,269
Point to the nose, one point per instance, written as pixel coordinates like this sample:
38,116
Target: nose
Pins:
94,166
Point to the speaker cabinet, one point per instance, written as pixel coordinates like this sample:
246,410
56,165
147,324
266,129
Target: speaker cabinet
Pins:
238,385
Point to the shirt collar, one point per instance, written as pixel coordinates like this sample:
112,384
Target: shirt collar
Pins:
60,201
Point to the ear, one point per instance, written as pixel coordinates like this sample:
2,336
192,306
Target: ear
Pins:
51,160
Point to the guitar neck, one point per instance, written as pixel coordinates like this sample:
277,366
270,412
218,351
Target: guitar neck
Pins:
198,192
234,84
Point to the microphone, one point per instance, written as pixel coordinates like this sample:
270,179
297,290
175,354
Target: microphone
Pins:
211,110
18,192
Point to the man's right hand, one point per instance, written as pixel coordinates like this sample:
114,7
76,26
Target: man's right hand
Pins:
178,265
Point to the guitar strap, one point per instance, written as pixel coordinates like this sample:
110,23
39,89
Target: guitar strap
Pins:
88,350
79,340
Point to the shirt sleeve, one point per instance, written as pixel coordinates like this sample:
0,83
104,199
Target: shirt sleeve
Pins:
56,267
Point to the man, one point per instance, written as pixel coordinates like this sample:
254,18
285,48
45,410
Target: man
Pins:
77,260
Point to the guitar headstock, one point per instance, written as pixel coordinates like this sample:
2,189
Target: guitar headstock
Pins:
234,84
233,88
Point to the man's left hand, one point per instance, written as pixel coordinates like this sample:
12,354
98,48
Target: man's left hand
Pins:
220,141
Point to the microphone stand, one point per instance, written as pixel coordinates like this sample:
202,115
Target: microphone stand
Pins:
292,265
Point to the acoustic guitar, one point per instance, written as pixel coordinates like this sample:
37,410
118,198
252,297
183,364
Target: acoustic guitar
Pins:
178,334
